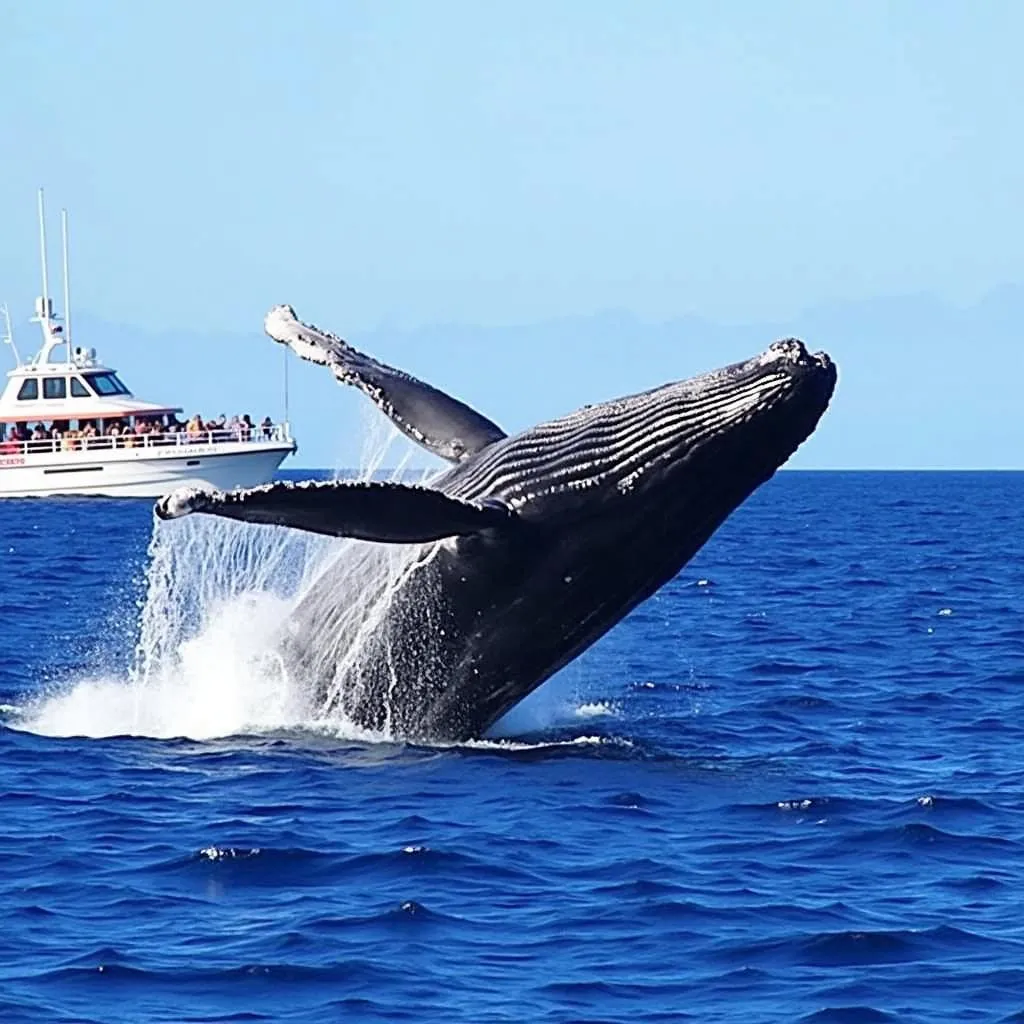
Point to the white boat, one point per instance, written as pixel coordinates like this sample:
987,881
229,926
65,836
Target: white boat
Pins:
69,425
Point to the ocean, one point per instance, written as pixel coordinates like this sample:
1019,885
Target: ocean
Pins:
788,788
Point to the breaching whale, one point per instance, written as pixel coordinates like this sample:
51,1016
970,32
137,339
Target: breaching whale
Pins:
529,547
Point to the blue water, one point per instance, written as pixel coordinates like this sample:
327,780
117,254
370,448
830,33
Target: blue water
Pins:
790,788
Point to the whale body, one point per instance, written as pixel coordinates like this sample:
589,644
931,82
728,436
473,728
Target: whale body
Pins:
529,547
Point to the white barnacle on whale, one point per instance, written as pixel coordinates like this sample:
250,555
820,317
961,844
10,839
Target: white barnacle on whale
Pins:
282,325
180,502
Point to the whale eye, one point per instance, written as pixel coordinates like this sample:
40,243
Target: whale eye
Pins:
496,504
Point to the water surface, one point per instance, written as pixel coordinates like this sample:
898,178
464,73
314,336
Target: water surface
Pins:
789,788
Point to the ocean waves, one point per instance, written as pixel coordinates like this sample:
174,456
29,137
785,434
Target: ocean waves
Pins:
788,788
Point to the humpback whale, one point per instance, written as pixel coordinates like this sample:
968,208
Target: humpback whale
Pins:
528,548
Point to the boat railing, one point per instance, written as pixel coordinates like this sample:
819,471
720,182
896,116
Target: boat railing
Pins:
74,441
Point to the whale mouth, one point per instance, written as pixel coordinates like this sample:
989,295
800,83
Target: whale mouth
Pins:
785,372
783,367
769,404
791,353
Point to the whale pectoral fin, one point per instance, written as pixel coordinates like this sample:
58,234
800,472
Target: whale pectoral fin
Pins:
442,424
386,512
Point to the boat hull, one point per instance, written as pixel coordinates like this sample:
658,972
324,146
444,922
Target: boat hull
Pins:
141,472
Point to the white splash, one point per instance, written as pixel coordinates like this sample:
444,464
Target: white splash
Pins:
517,746
597,709
222,681
555,705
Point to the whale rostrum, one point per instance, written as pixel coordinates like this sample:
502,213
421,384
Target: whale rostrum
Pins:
529,547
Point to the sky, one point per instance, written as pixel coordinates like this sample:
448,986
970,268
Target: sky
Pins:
535,204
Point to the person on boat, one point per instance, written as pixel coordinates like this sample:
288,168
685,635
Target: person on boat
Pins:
218,429
23,436
167,430
39,438
267,427
245,427
89,433
70,438
195,428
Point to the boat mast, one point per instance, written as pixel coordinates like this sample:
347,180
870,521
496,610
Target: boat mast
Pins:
44,304
67,285
42,255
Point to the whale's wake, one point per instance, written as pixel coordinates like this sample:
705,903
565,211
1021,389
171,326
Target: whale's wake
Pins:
205,663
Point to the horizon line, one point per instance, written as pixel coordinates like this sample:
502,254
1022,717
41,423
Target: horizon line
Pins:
783,469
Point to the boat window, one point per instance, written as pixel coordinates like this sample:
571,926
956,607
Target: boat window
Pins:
78,389
29,390
55,387
106,384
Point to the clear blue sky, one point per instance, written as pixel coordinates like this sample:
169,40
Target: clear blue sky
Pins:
390,168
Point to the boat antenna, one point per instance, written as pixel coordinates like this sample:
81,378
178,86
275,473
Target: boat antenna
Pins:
8,338
67,284
284,352
42,255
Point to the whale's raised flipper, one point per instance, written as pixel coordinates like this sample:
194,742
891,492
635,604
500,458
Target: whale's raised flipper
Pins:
442,424
387,512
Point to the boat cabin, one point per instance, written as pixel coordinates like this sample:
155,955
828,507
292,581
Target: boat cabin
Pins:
79,403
